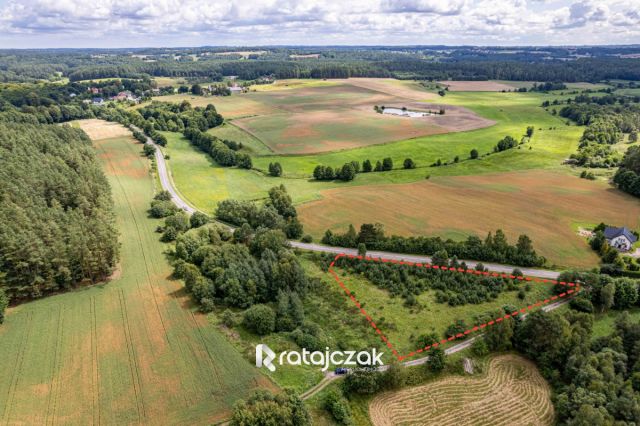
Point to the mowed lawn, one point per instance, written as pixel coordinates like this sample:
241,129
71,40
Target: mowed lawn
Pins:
131,351
402,325
546,205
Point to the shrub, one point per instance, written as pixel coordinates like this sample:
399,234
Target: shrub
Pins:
149,150
198,219
479,347
161,208
409,164
275,169
339,408
260,319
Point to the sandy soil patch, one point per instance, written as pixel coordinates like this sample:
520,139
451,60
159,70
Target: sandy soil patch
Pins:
100,129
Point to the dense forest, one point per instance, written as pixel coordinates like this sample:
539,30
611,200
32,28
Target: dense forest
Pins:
56,215
419,62
495,247
607,118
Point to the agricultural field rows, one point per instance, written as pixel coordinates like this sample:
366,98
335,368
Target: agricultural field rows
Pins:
511,392
129,351
516,177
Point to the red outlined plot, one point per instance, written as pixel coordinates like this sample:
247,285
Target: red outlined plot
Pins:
572,288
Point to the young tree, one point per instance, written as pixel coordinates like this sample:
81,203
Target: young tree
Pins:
362,249
530,130
149,150
366,166
339,407
196,89
378,167
473,154
409,164
244,161
275,169
198,219
436,361
387,164
260,319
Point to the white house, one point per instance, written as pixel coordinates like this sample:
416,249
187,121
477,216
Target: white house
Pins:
620,238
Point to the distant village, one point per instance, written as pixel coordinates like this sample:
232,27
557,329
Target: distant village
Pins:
196,89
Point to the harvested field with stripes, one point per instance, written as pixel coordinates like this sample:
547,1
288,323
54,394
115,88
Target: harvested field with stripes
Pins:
130,351
512,392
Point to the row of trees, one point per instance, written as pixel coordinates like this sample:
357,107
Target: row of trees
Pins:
495,247
451,287
349,170
345,173
224,152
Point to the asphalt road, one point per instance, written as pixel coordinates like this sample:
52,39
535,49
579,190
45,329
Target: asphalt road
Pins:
330,376
495,267
167,184
165,180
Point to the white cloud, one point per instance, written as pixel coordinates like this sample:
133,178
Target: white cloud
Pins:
158,22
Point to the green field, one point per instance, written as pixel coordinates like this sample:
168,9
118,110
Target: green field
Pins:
513,112
204,184
130,351
401,324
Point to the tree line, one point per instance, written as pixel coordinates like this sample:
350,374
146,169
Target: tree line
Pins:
349,170
452,288
494,248
461,63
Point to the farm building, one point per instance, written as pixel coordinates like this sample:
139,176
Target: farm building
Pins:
98,101
620,238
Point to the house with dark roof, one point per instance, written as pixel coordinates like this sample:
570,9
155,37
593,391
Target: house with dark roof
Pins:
620,238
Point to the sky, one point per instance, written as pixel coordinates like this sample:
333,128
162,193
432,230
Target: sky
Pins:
168,23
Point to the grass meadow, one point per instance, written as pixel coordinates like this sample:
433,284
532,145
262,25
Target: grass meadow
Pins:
514,182
130,351
402,324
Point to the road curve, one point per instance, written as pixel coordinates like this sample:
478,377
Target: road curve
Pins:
167,184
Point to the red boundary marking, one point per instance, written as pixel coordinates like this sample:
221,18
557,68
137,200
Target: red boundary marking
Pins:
534,306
